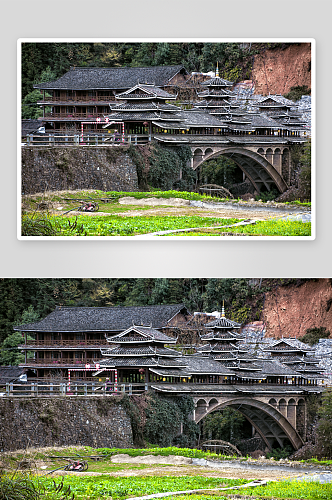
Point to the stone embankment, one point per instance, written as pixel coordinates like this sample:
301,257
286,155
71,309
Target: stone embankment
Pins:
72,168
88,421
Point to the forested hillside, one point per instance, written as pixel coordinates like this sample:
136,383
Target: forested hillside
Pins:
48,61
274,67
27,300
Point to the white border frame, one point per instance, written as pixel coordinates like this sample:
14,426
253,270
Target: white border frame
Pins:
312,41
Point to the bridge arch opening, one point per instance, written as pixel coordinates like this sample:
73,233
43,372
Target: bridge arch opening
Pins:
257,166
268,421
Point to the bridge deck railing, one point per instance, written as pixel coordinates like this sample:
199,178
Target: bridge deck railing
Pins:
74,388
85,140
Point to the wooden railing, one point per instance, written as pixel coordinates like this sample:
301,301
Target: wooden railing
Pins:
85,388
61,361
81,99
64,343
73,388
86,140
70,116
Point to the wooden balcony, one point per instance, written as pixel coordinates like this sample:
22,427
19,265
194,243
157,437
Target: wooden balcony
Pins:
74,116
64,343
102,99
74,363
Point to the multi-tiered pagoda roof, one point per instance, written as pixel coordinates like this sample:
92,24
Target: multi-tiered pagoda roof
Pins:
296,356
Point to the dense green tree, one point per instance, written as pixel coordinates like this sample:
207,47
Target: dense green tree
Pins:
296,93
235,292
10,355
226,425
163,421
30,109
324,429
221,171
313,335
158,420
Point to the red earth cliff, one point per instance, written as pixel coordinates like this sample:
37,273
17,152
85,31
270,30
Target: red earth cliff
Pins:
290,310
275,71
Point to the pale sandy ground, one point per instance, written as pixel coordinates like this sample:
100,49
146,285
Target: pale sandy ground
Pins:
176,207
180,466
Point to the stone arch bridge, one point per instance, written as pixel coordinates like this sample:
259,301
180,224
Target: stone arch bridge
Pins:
265,160
277,419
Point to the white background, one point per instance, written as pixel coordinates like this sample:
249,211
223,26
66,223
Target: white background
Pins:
165,19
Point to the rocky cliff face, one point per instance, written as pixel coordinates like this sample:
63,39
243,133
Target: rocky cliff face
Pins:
291,310
276,70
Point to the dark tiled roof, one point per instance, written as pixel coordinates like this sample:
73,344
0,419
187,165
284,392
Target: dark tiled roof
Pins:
143,333
197,365
112,78
219,335
170,372
287,344
190,388
130,361
222,322
133,116
272,101
107,319
143,106
139,351
217,82
30,126
225,356
194,118
148,91
275,368
141,361
10,373
171,362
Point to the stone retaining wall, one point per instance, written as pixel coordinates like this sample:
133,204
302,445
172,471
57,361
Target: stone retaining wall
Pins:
39,422
71,168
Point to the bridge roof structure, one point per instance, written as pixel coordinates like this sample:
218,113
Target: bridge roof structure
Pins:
235,389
